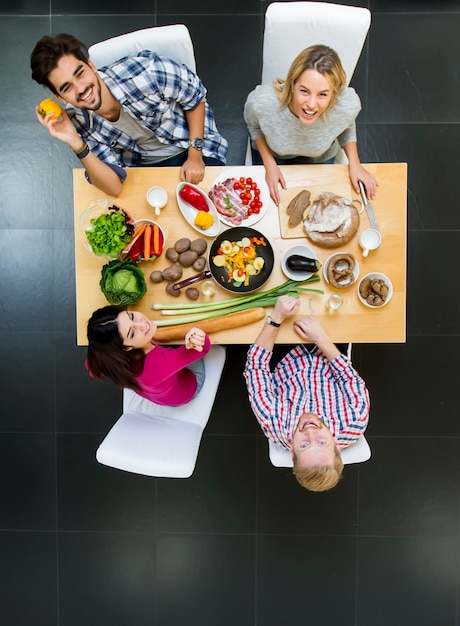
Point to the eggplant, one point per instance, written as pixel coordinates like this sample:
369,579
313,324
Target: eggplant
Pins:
298,263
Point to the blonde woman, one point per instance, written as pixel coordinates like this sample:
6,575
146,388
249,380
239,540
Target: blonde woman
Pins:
306,118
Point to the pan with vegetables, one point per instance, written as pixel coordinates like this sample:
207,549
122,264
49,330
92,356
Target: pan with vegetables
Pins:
240,261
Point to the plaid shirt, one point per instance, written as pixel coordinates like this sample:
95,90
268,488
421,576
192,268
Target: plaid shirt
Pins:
156,91
305,382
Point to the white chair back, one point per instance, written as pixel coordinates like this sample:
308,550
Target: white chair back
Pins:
162,441
290,27
172,41
356,453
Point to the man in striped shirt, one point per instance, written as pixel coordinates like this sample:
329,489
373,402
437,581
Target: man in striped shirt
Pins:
313,403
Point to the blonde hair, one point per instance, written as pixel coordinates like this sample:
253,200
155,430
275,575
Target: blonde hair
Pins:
321,477
324,60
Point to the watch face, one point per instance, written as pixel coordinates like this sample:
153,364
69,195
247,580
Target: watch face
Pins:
197,144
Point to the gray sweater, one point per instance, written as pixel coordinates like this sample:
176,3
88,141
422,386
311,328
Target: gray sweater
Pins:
288,137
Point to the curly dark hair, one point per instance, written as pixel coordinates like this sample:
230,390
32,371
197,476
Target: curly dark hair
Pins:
47,53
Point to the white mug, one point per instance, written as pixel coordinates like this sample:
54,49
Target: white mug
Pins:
157,198
370,239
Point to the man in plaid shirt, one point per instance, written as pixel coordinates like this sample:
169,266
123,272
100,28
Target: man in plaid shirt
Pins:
313,403
139,111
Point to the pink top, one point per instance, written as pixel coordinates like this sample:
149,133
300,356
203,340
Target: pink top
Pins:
165,378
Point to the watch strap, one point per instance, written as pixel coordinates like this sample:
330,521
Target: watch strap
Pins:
272,323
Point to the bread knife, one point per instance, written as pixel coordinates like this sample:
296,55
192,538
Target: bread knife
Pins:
368,206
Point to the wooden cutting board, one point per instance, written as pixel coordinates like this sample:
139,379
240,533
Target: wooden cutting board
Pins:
342,188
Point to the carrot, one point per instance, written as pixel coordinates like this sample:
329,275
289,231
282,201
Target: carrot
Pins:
147,238
213,325
156,240
137,233
139,230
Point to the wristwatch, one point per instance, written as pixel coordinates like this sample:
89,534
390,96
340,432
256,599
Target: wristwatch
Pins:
196,143
271,322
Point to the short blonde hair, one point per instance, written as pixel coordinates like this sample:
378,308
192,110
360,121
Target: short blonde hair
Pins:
324,60
321,477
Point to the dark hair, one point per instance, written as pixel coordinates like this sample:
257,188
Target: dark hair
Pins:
107,356
47,53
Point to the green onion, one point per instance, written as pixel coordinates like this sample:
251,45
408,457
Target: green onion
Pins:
191,313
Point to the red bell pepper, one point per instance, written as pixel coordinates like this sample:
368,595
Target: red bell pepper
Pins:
137,248
194,198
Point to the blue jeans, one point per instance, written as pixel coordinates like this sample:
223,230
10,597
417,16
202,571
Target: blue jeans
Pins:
299,160
198,368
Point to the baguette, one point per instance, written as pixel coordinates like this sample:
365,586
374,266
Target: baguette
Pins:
213,325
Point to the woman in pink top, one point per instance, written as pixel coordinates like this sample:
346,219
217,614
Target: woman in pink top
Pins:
121,347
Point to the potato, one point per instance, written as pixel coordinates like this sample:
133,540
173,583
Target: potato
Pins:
172,273
156,276
188,258
192,293
171,291
182,245
199,264
172,255
199,246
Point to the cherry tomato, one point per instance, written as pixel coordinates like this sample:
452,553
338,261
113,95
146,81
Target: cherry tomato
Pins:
248,195
256,193
236,185
245,201
242,195
248,181
248,188
250,211
253,204
242,181
256,210
253,185
260,204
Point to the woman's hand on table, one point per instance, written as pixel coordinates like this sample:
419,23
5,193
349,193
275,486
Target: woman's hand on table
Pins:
194,339
274,177
358,172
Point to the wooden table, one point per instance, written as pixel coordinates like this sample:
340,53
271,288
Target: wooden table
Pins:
354,322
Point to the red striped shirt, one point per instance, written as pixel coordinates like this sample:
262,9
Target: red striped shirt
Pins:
305,382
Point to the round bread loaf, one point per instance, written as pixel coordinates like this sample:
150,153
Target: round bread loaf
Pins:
331,221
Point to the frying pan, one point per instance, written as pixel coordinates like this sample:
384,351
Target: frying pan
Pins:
220,274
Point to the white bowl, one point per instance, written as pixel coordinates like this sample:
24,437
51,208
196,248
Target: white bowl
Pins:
355,271
190,212
383,277
302,251
150,222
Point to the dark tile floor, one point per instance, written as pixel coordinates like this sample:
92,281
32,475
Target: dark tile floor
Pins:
239,543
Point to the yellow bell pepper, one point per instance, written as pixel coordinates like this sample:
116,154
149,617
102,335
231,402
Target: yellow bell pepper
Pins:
204,220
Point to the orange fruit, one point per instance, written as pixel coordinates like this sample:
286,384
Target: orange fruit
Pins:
50,106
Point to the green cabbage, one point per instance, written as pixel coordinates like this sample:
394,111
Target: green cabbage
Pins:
122,282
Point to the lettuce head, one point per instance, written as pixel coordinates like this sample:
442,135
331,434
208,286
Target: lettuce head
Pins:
122,282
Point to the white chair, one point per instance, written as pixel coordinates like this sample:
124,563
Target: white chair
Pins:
356,453
173,42
290,27
162,441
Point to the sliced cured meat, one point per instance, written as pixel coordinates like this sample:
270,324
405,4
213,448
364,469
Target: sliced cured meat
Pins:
228,202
